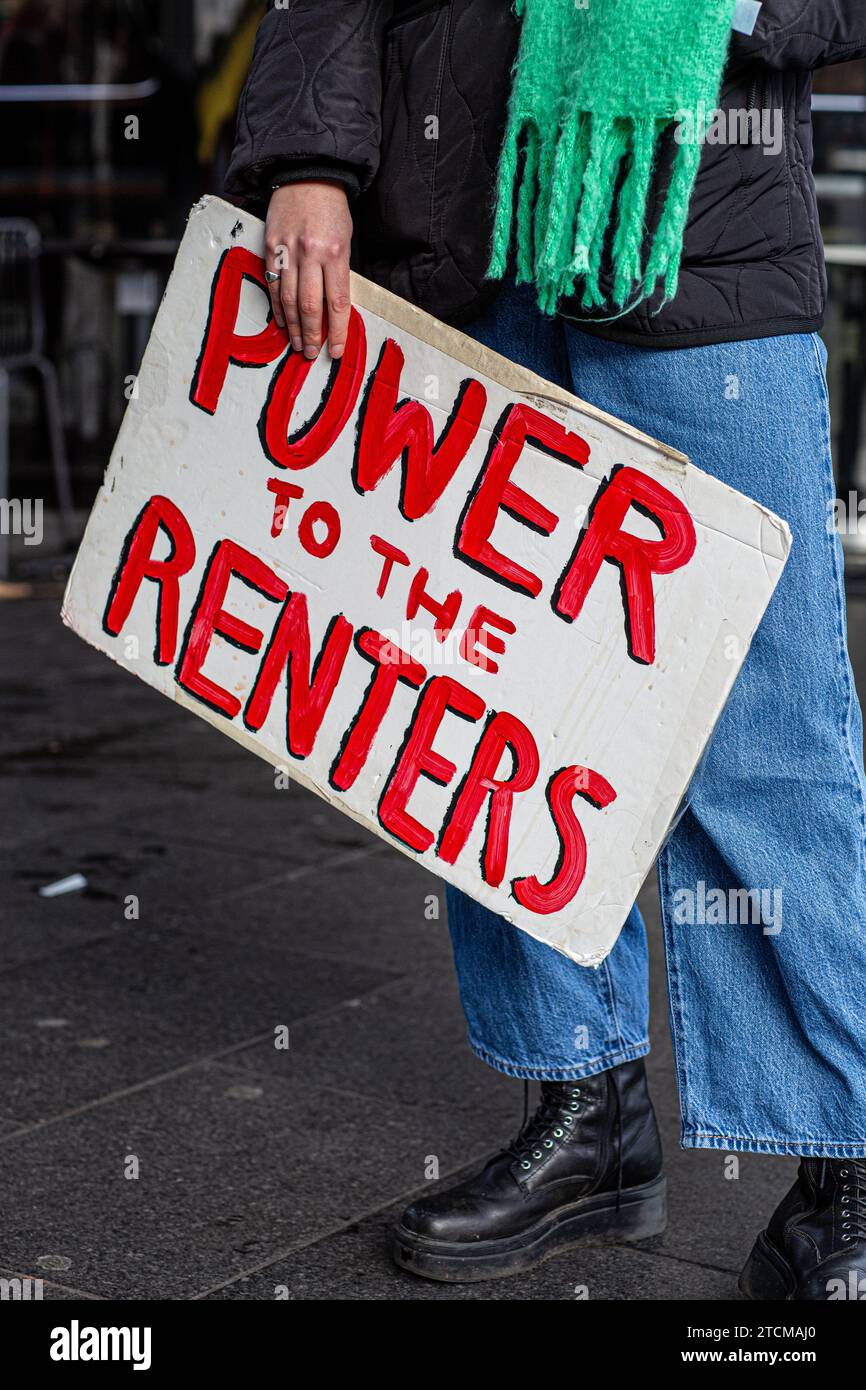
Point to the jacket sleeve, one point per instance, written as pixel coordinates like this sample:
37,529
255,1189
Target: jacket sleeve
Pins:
313,96
804,34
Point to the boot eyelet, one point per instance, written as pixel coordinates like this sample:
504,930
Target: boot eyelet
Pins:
574,1106
536,1153
526,1164
567,1120
558,1133
548,1143
577,1092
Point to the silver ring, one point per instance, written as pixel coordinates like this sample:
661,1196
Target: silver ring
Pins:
271,276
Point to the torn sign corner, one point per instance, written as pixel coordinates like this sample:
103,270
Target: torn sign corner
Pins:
203,203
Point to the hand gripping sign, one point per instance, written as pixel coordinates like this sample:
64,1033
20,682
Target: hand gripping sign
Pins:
483,618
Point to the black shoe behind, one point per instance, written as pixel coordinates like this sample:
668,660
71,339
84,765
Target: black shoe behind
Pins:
587,1165
814,1249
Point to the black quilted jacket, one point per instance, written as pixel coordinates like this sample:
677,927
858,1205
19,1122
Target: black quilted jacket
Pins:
405,104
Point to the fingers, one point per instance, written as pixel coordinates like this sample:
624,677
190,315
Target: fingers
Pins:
297,299
276,258
336,277
310,300
283,293
288,288
308,240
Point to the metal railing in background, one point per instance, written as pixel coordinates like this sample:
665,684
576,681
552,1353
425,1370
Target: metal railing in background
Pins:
22,348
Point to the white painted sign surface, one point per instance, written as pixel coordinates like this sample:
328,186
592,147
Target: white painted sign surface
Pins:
503,655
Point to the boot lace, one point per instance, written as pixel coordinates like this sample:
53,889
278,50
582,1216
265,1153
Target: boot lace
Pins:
853,1199
552,1121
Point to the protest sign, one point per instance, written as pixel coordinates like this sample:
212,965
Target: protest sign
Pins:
480,616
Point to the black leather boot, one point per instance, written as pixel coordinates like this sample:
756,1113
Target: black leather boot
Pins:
814,1248
587,1164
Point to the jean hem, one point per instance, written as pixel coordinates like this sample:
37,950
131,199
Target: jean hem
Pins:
554,1072
785,1148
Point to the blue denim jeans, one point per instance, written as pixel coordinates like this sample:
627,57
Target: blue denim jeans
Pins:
768,1016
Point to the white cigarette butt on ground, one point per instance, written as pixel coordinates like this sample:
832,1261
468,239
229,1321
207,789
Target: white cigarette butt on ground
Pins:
73,883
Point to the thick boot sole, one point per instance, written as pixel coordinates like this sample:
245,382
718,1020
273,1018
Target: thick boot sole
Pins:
641,1213
765,1275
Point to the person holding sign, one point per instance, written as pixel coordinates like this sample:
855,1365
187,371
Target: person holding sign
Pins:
618,196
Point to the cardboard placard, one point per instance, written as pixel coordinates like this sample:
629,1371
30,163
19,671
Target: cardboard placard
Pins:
481,617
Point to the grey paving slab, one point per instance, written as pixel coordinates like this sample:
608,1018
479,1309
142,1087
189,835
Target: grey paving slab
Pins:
86,1022
233,1172
37,1289
354,1264
54,684
161,862
714,1217
404,1042
182,770
62,784
33,927
370,907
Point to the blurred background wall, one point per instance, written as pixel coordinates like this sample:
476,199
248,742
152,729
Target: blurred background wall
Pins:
115,115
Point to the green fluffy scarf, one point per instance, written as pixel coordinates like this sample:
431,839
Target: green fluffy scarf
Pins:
594,86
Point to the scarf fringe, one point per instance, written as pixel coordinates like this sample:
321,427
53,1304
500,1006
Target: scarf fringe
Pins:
559,191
